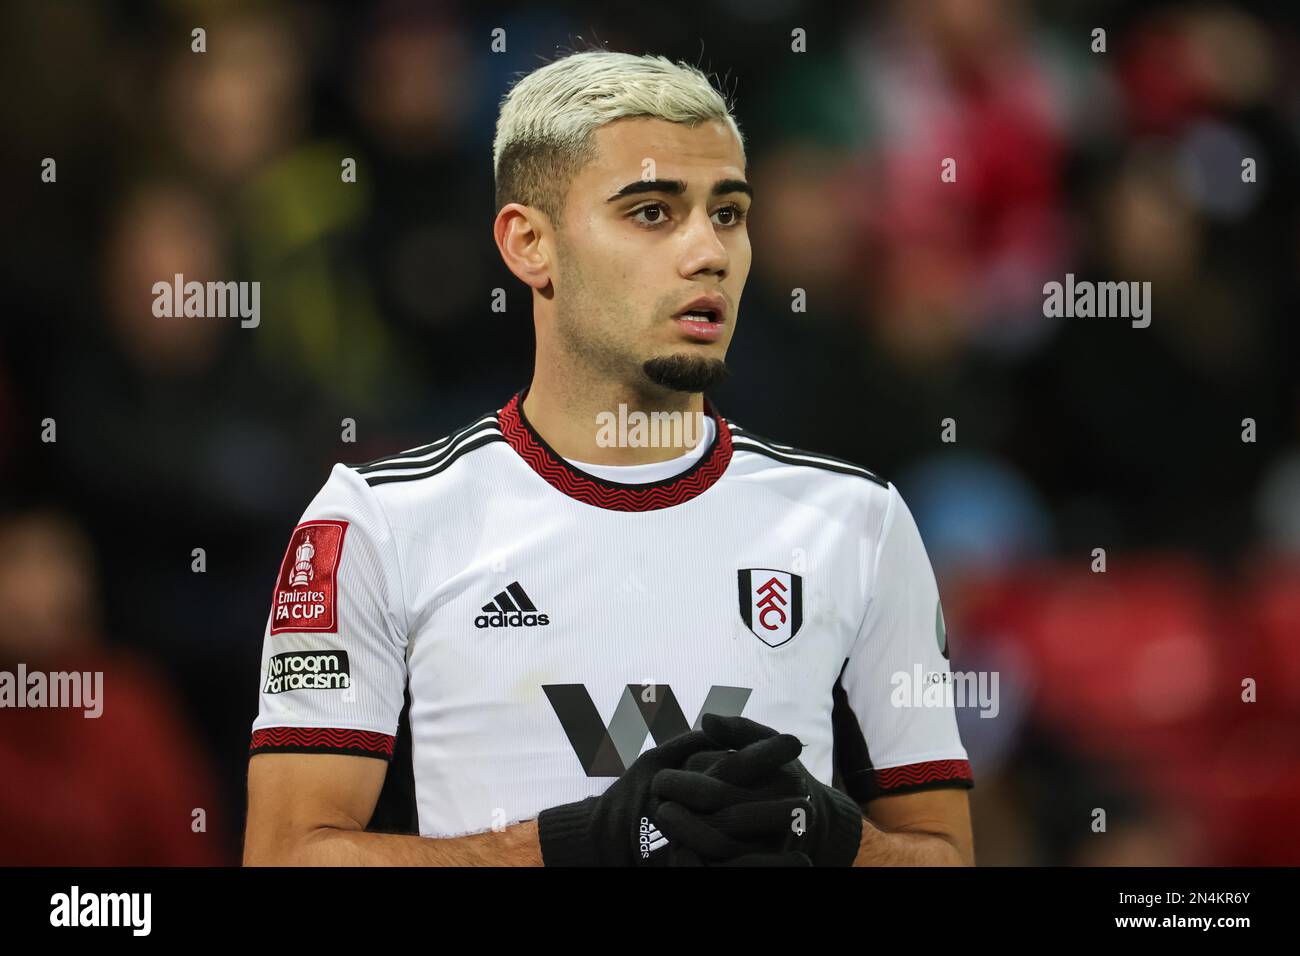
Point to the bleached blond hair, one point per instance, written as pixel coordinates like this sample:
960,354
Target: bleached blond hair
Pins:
545,128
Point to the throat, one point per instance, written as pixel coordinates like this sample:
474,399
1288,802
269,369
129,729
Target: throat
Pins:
621,433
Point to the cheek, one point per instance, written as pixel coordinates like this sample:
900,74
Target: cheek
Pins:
608,260
742,254
623,275
741,261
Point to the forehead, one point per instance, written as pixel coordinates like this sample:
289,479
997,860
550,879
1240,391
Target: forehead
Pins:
709,150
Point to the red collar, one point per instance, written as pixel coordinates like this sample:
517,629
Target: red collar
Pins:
562,476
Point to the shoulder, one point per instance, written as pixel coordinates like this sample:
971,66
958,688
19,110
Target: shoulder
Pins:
777,456
427,464
400,489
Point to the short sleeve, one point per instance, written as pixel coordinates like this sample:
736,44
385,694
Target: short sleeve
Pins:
333,671
894,723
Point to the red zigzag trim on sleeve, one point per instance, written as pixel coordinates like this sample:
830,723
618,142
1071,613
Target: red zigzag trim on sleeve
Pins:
324,739
914,774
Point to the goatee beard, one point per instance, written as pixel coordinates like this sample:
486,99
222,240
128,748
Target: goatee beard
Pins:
686,373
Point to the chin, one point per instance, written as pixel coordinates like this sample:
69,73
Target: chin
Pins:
687,370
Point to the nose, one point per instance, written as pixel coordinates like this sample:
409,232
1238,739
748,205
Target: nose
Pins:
703,251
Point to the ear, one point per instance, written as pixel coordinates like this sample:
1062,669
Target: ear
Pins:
520,232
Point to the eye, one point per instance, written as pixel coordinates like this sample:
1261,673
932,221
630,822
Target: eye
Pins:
737,214
656,207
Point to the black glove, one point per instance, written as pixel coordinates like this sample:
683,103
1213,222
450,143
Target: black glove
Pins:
740,806
767,810
616,828
728,806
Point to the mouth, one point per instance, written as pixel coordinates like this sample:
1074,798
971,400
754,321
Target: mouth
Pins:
703,318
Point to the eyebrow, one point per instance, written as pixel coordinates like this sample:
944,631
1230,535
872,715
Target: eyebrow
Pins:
675,187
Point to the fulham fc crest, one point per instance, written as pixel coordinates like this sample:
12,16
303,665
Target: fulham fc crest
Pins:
771,604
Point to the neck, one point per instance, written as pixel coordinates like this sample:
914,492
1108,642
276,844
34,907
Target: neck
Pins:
584,423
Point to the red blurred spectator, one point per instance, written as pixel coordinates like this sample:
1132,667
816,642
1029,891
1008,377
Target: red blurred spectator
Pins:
125,788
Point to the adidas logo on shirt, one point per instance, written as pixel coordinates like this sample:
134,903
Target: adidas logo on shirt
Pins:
511,608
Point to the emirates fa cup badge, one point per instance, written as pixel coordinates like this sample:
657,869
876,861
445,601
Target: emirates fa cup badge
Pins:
306,596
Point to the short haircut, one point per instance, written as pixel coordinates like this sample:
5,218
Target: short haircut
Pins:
545,128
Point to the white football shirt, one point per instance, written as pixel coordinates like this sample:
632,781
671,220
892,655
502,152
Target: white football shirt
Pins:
550,624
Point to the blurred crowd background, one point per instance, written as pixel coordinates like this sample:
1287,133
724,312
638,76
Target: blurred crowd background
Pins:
1120,690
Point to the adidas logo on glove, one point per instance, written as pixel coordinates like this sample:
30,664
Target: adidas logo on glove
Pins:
651,838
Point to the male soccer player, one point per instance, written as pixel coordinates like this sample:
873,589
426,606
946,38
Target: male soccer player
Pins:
555,598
